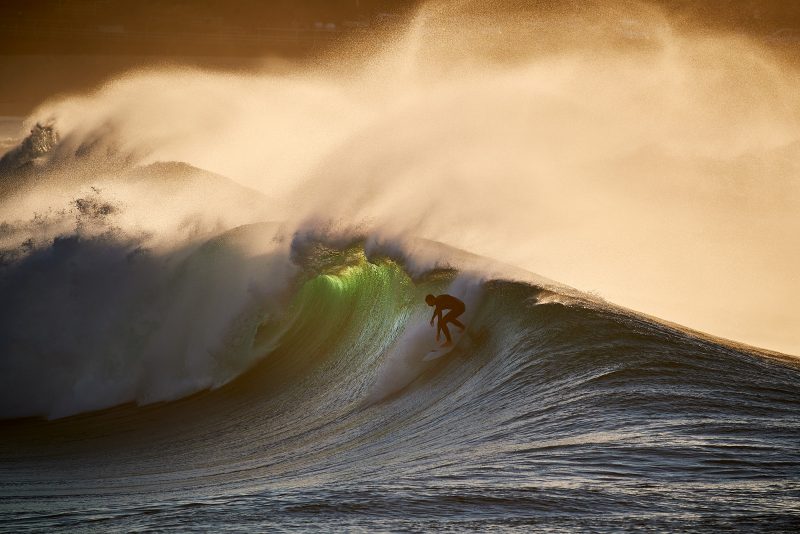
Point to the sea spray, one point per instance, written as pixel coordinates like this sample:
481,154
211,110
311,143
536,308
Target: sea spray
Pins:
558,140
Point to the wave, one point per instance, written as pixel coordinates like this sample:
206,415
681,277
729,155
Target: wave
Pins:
94,319
137,290
277,373
133,292
114,321
548,392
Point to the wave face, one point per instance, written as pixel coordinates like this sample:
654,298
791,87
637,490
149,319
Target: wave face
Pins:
554,412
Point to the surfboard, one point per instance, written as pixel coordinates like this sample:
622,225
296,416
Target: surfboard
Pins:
438,352
462,340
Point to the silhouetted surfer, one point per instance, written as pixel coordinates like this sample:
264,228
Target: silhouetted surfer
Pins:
455,307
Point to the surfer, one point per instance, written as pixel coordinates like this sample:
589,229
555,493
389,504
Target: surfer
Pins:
455,307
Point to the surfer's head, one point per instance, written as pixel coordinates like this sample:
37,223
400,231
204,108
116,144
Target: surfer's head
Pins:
430,299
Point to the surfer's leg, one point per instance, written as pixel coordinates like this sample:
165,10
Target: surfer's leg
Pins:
443,326
451,318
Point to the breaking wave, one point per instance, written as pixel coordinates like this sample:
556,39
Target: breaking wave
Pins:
182,348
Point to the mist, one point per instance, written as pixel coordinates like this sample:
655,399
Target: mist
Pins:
608,147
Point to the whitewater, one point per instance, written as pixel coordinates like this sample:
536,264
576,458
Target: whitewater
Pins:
212,285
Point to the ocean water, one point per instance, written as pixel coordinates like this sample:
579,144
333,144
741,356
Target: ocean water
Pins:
553,413
212,289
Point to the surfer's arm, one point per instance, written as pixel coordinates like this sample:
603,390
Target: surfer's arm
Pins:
435,311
